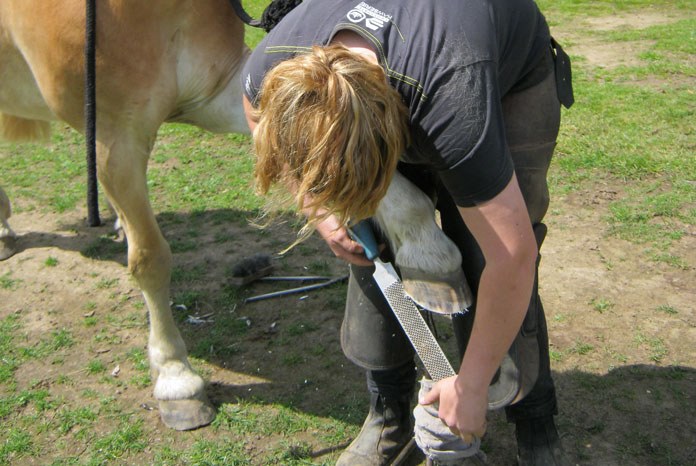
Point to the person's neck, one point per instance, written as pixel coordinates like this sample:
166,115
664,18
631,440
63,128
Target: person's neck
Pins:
356,43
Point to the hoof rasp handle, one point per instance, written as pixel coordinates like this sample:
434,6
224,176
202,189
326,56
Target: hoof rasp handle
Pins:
363,233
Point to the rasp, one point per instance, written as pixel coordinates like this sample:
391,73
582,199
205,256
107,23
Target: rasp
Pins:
427,348
434,360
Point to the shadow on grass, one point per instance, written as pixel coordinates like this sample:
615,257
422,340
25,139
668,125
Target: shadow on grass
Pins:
635,414
94,242
104,242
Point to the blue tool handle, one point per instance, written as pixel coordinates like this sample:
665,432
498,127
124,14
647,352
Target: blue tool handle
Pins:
362,233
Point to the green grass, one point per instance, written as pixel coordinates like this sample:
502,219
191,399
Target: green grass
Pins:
217,171
567,11
51,262
601,305
638,138
655,346
17,443
8,283
128,437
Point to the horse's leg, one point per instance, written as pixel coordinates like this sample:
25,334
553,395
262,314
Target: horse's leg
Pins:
429,262
178,389
8,238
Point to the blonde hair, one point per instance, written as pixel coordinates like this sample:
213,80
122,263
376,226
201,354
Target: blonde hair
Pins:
331,129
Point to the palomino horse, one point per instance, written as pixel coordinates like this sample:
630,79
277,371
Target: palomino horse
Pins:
156,61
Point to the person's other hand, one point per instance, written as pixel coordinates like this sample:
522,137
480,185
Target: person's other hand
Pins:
340,242
461,407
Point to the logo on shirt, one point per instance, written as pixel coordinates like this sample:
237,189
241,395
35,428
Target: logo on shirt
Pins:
370,16
247,85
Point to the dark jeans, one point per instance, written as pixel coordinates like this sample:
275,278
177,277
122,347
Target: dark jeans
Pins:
370,335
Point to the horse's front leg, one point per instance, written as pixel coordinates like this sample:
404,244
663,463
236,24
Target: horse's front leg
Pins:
429,262
179,391
8,238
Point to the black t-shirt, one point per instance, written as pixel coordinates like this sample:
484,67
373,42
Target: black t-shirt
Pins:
452,61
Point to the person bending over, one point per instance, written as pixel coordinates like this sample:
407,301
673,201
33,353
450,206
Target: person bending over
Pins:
463,98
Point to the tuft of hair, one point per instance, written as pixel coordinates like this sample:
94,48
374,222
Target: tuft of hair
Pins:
276,11
251,268
331,129
13,128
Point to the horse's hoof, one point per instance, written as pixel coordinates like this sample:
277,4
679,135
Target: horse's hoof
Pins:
8,247
446,293
518,372
187,414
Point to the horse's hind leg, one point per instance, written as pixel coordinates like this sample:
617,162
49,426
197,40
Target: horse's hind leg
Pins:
8,239
178,389
429,261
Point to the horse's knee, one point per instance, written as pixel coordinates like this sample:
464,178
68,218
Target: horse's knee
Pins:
150,266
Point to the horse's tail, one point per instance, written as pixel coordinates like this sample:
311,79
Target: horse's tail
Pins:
13,128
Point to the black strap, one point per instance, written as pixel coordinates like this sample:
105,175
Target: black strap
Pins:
91,113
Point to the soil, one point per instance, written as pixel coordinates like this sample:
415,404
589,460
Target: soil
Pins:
622,327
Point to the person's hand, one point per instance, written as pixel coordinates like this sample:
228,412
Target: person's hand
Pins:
340,242
461,407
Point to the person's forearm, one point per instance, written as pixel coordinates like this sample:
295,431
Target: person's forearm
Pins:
503,298
504,234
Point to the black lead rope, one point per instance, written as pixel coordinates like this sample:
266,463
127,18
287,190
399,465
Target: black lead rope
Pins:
91,114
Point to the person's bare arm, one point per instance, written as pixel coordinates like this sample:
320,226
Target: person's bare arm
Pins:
248,113
504,233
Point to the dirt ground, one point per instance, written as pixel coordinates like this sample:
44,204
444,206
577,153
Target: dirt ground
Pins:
622,328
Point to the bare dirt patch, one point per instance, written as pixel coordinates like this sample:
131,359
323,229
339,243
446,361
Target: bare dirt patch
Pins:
640,20
584,40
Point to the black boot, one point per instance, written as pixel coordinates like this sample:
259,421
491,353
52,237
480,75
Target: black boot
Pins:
538,443
386,437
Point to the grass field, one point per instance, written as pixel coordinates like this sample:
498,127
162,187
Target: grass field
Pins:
618,280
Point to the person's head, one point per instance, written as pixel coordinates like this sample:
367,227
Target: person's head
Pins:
331,127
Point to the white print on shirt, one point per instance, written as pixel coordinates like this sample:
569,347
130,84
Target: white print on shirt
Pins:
247,85
374,19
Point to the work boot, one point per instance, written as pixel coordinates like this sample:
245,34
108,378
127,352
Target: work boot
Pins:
538,443
386,437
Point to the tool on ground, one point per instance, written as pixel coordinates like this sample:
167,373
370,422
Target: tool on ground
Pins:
258,267
326,281
433,437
